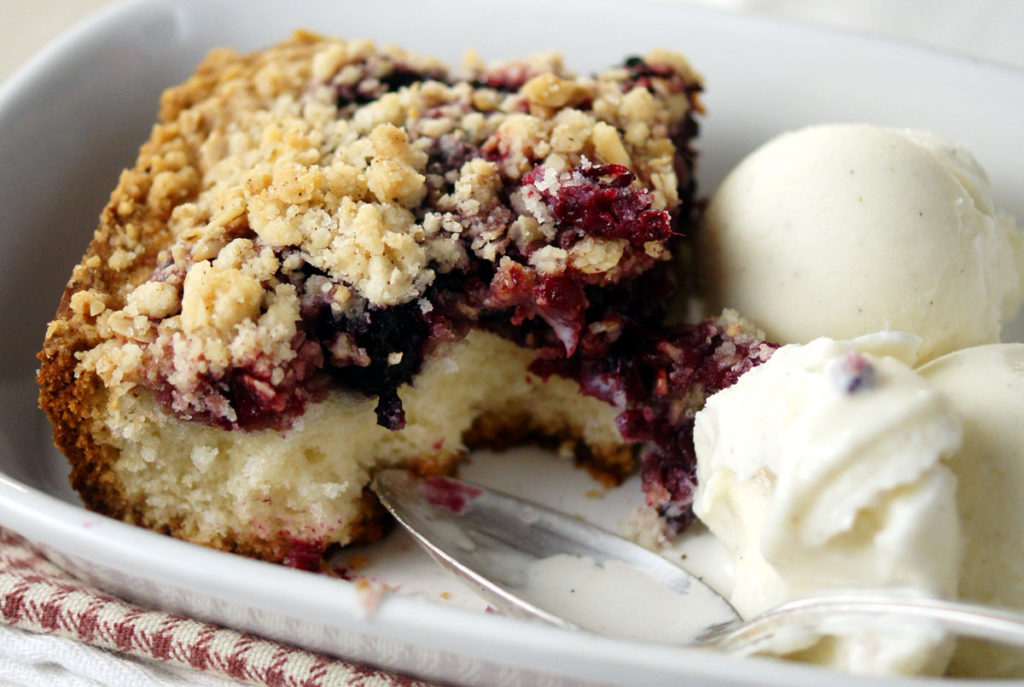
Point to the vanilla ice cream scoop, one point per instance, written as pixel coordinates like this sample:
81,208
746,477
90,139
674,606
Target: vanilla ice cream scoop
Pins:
846,229
985,385
824,468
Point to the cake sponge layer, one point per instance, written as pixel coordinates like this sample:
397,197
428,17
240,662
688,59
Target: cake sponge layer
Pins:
285,495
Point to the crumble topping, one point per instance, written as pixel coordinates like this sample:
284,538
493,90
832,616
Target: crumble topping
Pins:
334,208
660,377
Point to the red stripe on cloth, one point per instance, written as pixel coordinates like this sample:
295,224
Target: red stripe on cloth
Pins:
38,596
274,674
237,665
88,622
161,644
124,630
14,602
316,673
199,652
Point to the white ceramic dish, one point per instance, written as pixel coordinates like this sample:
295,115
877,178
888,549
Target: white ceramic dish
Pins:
73,116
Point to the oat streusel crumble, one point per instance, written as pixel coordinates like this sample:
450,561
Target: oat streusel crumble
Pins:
330,225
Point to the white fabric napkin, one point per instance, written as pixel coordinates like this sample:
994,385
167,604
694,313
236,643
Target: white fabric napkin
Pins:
28,659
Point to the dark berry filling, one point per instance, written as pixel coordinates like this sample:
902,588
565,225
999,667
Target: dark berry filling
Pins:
680,367
652,77
245,397
506,78
389,342
378,75
449,494
599,201
304,555
659,376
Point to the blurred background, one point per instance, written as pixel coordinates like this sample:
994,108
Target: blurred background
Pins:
986,29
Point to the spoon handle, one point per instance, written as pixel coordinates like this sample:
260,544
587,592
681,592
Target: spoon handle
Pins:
817,612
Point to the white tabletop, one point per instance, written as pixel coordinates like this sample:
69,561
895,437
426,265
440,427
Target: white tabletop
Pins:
987,29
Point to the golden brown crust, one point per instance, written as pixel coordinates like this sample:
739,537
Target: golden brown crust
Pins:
134,222
133,225
133,229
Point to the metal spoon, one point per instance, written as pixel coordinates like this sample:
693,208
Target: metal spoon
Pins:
496,542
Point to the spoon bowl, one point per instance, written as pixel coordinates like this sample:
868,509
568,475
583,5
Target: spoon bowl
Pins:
531,561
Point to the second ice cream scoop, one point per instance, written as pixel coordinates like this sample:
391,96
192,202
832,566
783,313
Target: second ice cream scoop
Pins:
841,230
985,385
